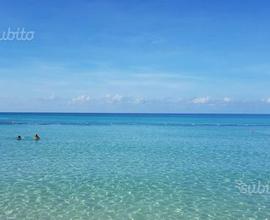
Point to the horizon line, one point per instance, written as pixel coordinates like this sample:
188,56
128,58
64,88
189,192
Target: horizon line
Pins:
138,113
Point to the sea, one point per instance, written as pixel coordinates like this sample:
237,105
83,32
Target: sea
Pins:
134,166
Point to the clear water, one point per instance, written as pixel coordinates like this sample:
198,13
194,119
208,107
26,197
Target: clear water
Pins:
113,166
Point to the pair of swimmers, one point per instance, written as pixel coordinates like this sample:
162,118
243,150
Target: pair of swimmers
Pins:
36,137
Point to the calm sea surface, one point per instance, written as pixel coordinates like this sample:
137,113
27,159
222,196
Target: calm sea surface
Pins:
134,166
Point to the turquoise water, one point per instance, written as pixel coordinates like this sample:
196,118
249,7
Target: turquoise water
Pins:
113,166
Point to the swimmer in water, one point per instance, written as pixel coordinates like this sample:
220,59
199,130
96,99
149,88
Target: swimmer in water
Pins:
36,137
18,138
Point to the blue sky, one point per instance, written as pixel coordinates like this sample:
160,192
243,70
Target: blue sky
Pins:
136,56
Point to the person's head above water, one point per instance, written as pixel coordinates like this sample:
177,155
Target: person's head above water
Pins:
36,137
19,137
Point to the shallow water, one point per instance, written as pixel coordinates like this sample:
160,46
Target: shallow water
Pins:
92,166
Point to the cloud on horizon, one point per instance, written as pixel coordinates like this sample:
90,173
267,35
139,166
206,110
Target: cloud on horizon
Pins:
80,99
200,100
116,99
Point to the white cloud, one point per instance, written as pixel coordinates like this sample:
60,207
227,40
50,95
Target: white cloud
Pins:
227,99
138,100
116,99
108,99
113,98
267,100
80,99
201,100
